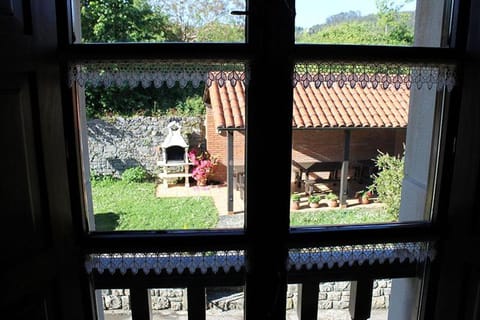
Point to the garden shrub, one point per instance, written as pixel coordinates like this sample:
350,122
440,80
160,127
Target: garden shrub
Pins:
387,183
98,177
135,174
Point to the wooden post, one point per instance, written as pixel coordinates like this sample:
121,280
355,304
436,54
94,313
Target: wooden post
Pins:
230,171
140,303
186,168
196,303
361,299
307,300
344,174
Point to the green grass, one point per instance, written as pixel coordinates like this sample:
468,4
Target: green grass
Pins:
120,205
340,216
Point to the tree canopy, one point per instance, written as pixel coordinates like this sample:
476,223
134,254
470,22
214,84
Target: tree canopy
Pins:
205,20
123,21
210,21
390,26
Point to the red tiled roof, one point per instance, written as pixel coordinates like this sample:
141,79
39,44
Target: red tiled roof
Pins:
321,107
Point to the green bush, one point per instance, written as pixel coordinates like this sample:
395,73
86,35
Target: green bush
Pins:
135,174
387,183
98,177
191,106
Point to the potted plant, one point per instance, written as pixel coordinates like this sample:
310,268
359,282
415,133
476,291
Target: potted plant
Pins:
364,196
332,199
314,200
295,201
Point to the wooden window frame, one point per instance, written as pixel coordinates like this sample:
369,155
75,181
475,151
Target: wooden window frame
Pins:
271,54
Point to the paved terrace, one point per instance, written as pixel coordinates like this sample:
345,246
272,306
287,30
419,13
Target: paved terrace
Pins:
235,220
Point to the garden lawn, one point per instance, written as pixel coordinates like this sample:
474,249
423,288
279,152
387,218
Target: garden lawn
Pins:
120,205
340,216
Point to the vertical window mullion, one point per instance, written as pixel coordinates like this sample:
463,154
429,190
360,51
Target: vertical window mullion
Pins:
268,136
140,303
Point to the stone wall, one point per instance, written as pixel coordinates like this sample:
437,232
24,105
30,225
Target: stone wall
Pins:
119,143
336,295
331,296
161,299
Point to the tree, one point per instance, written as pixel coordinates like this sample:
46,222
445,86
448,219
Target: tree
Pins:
135,21
204,20
389,27
123,21
353,32
343,16
145,101
397,25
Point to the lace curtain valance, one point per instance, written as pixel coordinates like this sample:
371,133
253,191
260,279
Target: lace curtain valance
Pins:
373,75
158,73
328,257
158,262
155,73
234,260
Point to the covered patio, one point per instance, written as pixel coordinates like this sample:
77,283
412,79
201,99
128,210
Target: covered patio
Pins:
336,132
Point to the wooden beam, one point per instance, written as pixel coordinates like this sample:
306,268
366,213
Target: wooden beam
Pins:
140,303
266,256
307,305
361,299
344,173
196,302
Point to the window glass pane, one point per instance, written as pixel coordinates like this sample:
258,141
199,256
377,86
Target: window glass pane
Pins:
113,304
158,154
111,21
166,303
333,300
325,296
389,299
370,22
363,149
225,303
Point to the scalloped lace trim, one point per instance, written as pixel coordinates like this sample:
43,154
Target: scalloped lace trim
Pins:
328,257
165,262
372,75
319,257
157,73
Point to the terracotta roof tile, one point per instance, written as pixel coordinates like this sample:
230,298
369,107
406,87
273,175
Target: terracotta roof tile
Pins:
321,107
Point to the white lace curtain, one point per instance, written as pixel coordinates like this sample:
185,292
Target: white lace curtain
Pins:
155,73
373,75
328,257
234,260
160,72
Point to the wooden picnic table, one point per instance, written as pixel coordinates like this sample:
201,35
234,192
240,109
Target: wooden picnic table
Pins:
305,168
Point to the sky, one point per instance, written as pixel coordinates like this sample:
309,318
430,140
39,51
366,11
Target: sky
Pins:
312,12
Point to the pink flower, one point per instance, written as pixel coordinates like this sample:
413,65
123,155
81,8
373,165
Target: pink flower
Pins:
204,164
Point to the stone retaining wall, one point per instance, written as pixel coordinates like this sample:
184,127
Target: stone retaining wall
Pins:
116,144
331,296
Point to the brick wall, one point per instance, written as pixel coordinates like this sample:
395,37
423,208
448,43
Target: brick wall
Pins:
216,143
328,144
